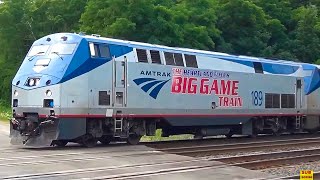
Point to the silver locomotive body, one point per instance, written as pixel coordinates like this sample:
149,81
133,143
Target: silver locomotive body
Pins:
84,89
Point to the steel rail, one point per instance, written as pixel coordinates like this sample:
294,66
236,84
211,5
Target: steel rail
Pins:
238,147
263,156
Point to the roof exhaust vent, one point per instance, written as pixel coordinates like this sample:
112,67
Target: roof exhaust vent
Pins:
96,35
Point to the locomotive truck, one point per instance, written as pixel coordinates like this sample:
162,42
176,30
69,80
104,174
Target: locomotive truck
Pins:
86,88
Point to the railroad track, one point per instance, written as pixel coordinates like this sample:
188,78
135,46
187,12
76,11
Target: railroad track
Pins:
278,157
188,150
130,170
271,160
170,143
207,150
258,161
198,151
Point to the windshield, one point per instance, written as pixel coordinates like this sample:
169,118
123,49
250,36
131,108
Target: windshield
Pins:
38,50
65,49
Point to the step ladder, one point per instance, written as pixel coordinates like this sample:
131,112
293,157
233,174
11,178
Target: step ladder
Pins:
118,125
298,122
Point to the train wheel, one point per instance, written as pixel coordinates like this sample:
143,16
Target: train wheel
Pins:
133,139
229,135
254,134
198,136
313,131
88,141
277,132
60,143
105,139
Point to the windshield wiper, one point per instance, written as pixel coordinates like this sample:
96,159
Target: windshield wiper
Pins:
57,55
32,57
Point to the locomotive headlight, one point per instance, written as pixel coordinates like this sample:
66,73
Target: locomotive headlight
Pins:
15,93
31,82
37,82
48,93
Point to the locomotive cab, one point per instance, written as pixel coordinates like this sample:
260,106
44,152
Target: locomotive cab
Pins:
36,89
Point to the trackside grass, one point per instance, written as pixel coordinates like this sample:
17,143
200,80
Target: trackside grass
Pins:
158,137
5,113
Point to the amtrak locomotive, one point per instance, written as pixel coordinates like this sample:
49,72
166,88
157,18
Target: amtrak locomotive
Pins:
85,89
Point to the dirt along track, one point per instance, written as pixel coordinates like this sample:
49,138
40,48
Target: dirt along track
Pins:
316,175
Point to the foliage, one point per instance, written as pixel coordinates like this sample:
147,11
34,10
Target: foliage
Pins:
158,137
244,27
5,112
23,21
283,29
187,23
307,34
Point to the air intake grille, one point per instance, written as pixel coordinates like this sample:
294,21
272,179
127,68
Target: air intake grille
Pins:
104,98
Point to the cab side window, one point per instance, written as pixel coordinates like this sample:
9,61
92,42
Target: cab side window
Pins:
99,50
169,58
191,61
155,57
142,55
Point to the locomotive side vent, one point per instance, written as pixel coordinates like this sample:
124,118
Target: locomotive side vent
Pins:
104,98
272,100
287,101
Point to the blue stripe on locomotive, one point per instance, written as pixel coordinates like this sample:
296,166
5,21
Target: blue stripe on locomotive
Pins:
312,82
267,67
82,63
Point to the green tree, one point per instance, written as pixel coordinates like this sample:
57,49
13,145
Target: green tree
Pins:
184,23
23,21
280,25
51,16
244,28
286,29
306,45
13,37
300,3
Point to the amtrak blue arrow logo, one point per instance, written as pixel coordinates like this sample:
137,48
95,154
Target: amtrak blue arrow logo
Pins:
148,83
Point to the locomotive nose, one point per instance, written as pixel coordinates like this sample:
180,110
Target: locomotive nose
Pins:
40,100
34,114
